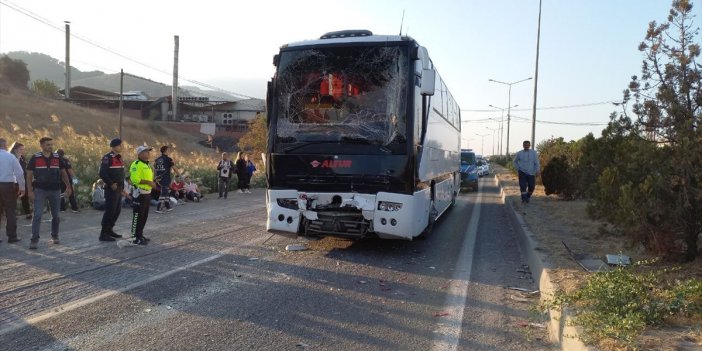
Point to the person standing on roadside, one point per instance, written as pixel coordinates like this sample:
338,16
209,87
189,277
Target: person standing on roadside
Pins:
224,167
45,172
17,149
112,174
250,169
71,180
143,180
11,186
163,166
242,172
526,162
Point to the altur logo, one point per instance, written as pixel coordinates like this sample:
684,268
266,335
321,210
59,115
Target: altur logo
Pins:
332,164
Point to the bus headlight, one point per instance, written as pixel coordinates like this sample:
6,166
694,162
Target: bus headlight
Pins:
389,206
288,203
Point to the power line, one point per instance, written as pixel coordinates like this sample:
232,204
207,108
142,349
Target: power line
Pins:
551,107
39,18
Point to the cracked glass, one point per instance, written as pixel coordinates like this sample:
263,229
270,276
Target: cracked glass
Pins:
343,95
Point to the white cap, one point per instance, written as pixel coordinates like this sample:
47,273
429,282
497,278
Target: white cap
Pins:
143,148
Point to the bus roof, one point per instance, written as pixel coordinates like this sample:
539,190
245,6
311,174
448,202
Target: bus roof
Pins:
350,39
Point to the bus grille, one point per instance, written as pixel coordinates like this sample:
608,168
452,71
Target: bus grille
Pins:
343,224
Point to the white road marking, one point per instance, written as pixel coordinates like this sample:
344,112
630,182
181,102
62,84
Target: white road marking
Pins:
448,333
57,310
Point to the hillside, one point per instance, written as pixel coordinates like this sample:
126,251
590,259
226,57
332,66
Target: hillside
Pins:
42,66
84,134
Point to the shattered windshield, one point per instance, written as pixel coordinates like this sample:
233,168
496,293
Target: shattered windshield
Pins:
343,95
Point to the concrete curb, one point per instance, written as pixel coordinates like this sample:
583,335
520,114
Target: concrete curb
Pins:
560,326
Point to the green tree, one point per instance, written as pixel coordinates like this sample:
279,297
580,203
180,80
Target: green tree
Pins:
14,71
255,141
659,184
45,88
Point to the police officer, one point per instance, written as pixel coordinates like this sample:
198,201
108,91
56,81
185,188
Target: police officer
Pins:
163,166
112,173
142,176
45,172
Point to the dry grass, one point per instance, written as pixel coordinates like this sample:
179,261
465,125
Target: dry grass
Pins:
553,220
84,134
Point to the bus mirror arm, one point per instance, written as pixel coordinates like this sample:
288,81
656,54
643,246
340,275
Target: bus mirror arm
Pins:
428,82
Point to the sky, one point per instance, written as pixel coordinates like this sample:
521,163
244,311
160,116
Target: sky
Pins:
588,50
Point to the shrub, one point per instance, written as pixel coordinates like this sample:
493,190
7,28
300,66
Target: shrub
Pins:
618,305
560,178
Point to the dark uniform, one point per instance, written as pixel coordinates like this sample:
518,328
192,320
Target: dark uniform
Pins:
72,198
162,167
111,172
47,187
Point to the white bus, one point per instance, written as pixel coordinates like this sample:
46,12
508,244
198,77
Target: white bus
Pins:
364,138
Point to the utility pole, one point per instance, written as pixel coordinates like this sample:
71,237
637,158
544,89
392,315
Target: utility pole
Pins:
67,88
121,99
536,82
174,95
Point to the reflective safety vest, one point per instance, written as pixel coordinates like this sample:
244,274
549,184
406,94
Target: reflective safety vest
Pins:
138,171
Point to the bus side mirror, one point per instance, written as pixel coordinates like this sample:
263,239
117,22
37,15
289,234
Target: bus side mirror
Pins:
276,60
428,82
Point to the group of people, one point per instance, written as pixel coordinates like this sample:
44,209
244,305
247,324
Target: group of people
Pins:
244,169
47,177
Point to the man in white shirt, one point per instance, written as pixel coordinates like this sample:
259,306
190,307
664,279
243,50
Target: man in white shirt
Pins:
526,162
11,187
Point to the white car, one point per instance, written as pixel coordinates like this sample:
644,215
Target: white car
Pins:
483,167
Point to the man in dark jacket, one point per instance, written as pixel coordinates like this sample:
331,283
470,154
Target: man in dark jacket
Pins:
112,173
71,180
162,167
45,173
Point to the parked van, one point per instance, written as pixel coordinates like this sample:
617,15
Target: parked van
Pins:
469,170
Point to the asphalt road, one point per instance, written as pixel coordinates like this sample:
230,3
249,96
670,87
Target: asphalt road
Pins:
214,279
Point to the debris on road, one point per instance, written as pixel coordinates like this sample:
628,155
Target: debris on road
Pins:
302,345
618,260
440,314
362,282
253,258
524,292
517,298
587,264
296,247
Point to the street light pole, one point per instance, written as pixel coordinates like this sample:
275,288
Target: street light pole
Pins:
493,130
502,130
509,103
482,143
536,82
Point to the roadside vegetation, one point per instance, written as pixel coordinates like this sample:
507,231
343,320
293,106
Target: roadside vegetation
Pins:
642,182
644,173
84,134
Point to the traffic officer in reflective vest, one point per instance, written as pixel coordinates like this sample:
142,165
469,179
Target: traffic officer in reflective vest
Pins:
142,176
112,173
45,172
